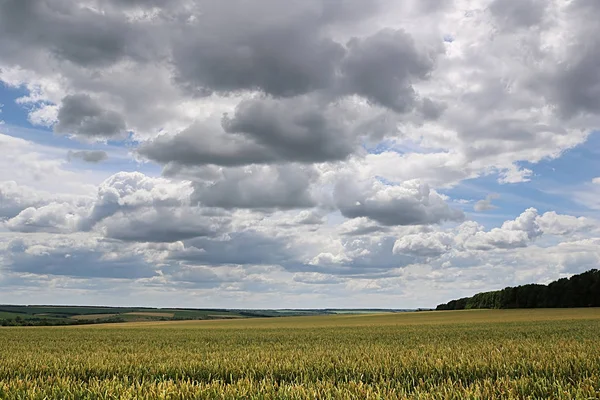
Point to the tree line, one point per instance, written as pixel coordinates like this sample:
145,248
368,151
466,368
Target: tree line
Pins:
582,290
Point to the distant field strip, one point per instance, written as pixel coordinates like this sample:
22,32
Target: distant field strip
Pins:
92,316
152,314
480,354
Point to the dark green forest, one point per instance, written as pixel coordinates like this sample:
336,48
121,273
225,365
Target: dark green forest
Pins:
582,290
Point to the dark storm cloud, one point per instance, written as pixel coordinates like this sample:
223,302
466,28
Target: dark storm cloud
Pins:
81,115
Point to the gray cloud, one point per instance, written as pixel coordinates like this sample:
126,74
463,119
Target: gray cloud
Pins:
15,198
382,68
135,207
75,257
411,204
432,110
90,156
486,204
314,278
261,131
442,94
556,224
563,78
194,276
498,239
512,234
310,217
279,60
237,248
279,49
82,116
163,225
518,14
424,244
296,130
76,34
303,128
140,3
202,144
282,187
53,217
571,89
378,259
292,55
129,191
526,222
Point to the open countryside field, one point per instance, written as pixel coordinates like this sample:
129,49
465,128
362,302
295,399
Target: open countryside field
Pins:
92,316
36,315
152,314
552,353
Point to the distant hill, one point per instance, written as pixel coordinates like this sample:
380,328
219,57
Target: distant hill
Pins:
44,315
49,315
581,290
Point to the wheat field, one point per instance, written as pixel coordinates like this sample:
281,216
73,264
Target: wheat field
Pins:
508,354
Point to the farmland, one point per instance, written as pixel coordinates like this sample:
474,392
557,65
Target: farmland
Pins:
552,353
44,315
71,315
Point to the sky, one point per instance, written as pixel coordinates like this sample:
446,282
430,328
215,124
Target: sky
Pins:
297,154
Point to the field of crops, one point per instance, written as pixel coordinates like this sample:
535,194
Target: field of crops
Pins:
36,315
536,354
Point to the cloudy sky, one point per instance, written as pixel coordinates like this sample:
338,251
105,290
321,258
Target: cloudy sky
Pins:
309,153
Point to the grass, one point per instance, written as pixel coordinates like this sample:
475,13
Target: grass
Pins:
509,354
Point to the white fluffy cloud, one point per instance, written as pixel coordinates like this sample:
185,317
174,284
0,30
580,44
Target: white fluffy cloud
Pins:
53,217
518,233
411,203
